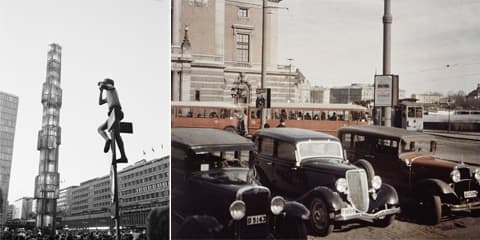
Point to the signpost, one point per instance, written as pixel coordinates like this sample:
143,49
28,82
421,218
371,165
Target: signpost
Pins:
121,127
386,94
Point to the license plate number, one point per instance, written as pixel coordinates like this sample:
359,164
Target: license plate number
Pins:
347,212
470,194
257,219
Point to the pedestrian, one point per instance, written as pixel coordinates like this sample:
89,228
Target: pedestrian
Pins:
113,102
281,124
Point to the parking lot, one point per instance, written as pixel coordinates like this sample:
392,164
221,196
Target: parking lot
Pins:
457,228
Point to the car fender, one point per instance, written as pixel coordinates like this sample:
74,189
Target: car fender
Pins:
433,186
386,195
296,210
331,198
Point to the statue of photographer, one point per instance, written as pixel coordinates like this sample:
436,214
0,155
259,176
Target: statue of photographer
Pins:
111,98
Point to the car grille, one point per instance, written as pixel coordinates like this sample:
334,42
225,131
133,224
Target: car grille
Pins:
358,189
464,172
257,202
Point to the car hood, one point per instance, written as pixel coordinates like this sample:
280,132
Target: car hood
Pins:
427,160
428,166
330,166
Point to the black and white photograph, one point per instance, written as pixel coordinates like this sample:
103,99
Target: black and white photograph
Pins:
84,119
325,118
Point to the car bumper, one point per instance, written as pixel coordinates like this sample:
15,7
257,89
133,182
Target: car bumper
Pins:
368,217
463,207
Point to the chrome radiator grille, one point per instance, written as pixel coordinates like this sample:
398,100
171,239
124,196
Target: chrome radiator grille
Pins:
358,189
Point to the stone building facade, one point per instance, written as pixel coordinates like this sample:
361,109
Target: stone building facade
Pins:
217,43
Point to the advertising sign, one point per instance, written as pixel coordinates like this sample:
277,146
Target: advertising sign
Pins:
383,90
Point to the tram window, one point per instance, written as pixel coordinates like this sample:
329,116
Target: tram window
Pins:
411,112
419,112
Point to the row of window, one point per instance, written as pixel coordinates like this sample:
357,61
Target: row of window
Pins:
80,196
5,157
7,135
145,171
101,197
80,207
145,188
102,184
102,190
147,179
79,190
145,197
80,202
7,129
102,204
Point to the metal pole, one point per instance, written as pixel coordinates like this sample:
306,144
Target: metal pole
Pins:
115,182
289,78
264,55
387,22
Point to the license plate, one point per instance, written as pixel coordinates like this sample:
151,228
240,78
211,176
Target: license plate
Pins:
257,219
347,212
470,194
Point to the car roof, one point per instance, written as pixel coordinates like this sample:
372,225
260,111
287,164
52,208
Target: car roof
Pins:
209,140
294,134
390,132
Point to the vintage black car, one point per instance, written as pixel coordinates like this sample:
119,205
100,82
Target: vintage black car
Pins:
406,159
214,194
310,167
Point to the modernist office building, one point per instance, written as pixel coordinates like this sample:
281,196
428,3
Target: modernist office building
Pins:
22,208
217,43
8,119
142,187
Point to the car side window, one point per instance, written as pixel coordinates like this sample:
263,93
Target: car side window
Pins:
266,146
386,146
347,140
286,151
361,143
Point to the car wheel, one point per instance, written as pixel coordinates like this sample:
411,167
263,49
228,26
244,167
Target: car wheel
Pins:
320,222
367,166
385,222
431,208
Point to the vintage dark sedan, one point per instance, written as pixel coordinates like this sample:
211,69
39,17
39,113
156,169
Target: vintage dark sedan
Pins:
214,194
310,167
407,160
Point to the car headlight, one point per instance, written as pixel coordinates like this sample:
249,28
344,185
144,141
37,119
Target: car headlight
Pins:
277,205
341,185
477,174
237,209
376,182
455,175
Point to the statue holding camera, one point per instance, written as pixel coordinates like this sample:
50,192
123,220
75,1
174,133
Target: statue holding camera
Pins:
113,102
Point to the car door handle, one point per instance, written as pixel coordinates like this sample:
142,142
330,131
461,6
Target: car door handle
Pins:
370,156
268,163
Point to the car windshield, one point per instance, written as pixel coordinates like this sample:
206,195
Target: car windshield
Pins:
319,149
227,175
226,167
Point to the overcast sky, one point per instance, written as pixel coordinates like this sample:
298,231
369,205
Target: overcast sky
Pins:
337,42
125,40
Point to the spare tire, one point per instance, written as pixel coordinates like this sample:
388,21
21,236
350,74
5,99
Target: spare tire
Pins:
367,166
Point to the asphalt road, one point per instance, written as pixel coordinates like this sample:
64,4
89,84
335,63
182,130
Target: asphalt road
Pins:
453,228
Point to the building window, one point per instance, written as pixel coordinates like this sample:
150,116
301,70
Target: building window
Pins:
243,12
197,95
242,47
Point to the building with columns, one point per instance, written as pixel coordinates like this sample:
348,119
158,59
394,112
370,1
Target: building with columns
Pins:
217,43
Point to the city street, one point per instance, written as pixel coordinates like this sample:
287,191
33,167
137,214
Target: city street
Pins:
457,228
